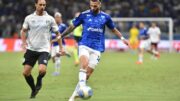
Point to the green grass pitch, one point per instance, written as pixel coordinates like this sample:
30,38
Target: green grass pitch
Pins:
116,78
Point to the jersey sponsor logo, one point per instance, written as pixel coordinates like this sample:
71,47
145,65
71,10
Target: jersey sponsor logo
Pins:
33,21
90,20
95,29
88,15
48,22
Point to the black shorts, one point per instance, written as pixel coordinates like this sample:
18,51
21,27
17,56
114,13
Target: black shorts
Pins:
77,38
32,56
154,44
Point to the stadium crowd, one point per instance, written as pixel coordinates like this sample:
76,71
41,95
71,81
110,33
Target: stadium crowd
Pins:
12,12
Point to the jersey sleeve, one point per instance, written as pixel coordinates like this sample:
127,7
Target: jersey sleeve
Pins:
78,20
159,31
54,26
25,24
110,24
148,31
62,29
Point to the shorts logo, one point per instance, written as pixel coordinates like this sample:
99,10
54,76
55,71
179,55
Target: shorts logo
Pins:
98,58
45,61
23,60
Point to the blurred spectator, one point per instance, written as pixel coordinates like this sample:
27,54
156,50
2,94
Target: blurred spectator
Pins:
12,12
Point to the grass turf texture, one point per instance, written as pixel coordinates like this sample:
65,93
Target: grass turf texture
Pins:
116,78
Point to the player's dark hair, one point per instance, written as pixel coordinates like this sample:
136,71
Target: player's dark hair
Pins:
36,1
96,0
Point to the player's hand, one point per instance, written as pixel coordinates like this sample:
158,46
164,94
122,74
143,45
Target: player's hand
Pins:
24,47
61,53
126,42
54,40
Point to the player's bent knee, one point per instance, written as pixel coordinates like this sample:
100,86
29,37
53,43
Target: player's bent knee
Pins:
42,70
84,65
25,73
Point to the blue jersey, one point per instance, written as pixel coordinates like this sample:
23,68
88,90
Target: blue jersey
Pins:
143,34
62,27
93,28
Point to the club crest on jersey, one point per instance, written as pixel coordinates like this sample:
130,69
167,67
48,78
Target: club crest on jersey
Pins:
47,21
33,21
90,20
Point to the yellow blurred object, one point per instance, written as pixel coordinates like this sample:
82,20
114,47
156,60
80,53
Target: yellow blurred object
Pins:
133,40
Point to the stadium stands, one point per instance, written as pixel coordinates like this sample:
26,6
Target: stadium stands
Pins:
12,12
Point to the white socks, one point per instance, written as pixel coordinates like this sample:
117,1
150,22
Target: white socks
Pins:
82,82
57,64
140,58
82,77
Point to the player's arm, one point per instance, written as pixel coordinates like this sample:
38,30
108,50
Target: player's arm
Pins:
110,24
23,38
75,23
58,36
159,33
59,40
54,40
68,30
118,33
23,32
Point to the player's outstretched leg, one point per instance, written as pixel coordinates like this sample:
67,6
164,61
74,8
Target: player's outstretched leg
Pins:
82,76
82,82
75,94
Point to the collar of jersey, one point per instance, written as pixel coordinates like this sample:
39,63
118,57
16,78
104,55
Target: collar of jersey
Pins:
44,13
95,14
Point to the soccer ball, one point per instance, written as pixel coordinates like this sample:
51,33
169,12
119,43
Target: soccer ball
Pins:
85,92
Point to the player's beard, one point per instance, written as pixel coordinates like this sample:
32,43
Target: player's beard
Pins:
41,11
95,11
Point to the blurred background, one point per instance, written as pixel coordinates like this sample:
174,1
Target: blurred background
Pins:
13,12
117,76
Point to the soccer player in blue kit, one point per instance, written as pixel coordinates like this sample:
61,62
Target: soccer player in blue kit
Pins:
92,42
55,46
